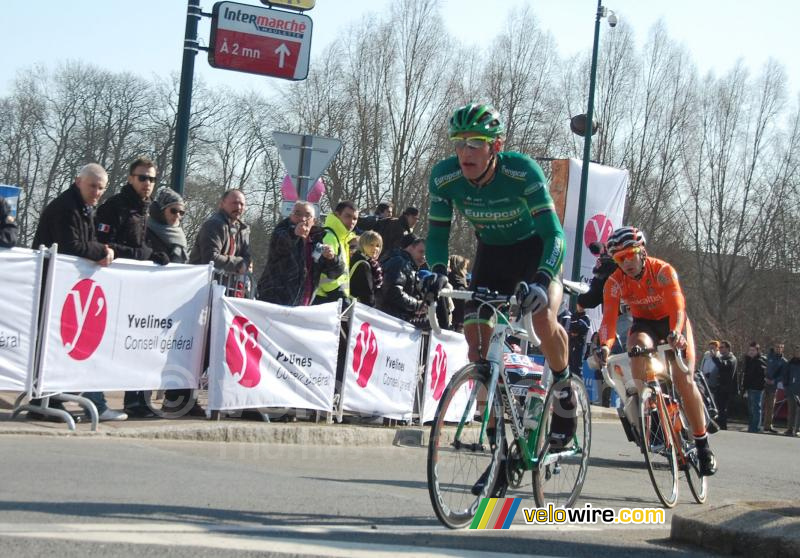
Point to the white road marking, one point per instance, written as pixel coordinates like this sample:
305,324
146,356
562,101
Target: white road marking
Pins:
237,537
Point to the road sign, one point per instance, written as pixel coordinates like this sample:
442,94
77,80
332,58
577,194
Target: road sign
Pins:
292,4
260,40
305,157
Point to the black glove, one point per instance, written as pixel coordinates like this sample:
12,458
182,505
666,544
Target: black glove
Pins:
160,258
431,284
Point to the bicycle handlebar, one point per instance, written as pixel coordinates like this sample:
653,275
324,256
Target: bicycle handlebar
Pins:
486,297
680,363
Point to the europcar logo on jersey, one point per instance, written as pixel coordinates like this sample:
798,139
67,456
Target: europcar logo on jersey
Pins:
242,352
83,319
439,372
598,229
365,354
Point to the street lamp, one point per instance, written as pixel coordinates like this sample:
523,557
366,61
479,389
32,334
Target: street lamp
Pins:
588,129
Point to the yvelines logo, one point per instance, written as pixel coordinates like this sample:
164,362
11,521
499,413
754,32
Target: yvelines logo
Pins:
242,353
598,229
83,319
438,372
365,354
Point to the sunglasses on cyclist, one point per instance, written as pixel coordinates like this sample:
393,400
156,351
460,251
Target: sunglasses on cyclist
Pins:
626,254
176,211
475,142
146,178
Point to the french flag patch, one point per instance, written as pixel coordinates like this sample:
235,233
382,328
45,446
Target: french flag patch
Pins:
103,228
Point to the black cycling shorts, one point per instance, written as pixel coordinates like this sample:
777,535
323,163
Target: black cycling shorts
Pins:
501,268
658,330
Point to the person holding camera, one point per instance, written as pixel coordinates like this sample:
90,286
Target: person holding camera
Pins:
8,228
295,263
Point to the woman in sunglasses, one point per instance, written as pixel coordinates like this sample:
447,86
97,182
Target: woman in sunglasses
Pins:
651,290
164,231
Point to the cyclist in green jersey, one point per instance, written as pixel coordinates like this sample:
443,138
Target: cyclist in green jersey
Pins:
504,196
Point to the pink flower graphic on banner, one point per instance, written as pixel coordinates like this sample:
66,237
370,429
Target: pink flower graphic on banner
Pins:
242,353
365,354
438,372
598,229
83,319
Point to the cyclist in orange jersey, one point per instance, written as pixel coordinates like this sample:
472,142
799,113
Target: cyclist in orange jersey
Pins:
650,288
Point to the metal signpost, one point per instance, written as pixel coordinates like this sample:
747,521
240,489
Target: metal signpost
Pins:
244,38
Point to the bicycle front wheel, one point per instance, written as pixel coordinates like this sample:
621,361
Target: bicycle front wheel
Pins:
658,446
457,456
559,473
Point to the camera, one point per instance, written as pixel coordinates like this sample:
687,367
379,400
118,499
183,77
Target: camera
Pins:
612,19
317,252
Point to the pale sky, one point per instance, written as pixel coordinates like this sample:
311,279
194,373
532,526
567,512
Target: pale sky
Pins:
146,36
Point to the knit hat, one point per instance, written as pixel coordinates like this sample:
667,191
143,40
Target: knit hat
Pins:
164,198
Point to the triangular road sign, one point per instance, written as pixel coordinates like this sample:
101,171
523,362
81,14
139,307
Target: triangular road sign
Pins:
305,157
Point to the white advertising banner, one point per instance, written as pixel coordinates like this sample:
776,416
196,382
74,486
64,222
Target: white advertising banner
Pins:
266,355
447,353
21,280
129,326
380,374
605,207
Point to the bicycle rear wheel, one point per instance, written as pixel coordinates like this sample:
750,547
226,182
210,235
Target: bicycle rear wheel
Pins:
659,450
559,474
457,458
698,484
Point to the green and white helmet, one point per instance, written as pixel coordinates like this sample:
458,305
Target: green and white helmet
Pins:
476,118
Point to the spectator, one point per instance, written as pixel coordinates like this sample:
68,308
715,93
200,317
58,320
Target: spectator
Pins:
579,326
393,230
755,368
366,274
400,296
291,274
384,210
164,231
337,234
457,276
122,225
791,387
602,270
224,239
708,367
776,363
165,235
725,363
8,228
68,220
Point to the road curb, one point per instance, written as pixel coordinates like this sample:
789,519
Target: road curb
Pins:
248,432
763,529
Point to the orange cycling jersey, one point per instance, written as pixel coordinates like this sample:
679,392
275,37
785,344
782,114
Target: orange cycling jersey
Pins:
655,295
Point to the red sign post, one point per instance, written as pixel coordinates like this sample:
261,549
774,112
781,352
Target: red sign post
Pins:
260,41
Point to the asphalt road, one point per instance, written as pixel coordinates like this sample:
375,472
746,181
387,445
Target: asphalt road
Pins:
116,497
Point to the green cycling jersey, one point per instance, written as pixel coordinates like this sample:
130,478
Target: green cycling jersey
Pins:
513,206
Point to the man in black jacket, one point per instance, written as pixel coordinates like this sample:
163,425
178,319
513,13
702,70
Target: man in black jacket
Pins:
292,272
400,296
122,224
755,369
394,230
8,228
602,270
726,369
68,220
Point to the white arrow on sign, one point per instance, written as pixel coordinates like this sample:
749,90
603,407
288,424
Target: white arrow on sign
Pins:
282,51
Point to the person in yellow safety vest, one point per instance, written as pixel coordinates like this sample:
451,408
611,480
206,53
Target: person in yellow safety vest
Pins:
337,232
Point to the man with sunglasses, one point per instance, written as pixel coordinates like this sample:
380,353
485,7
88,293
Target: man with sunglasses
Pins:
122,225
651,290
504,196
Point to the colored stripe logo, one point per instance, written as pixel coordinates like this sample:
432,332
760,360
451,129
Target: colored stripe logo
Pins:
495,513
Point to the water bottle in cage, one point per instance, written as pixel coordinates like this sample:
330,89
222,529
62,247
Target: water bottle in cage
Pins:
534,404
